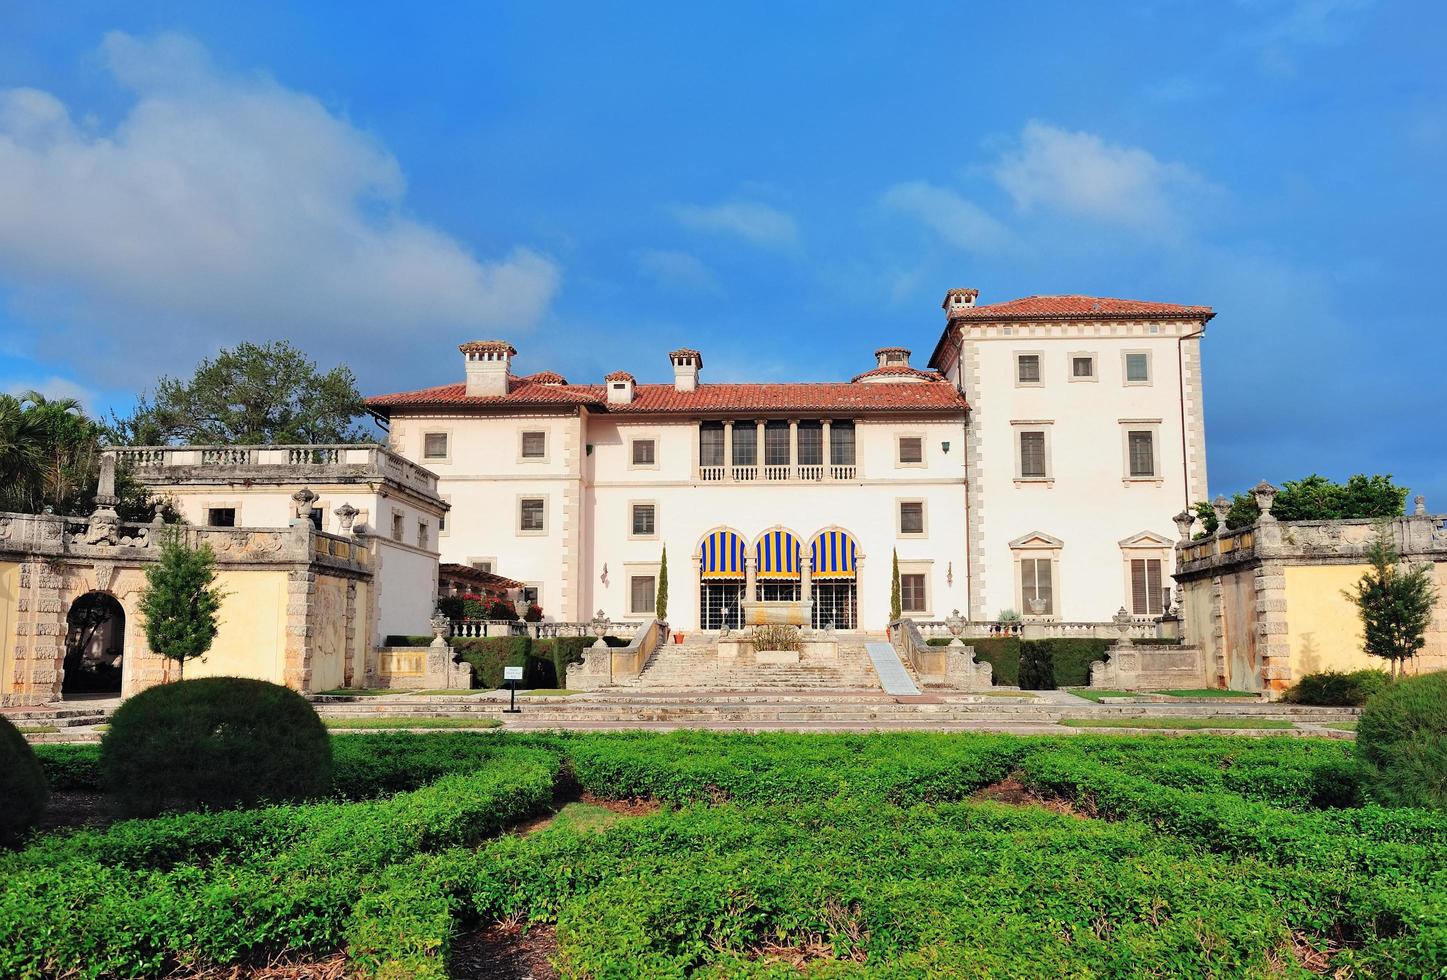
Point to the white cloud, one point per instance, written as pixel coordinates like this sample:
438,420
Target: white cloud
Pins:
676,270
958,221
1079,173
54,388
237,209
756,223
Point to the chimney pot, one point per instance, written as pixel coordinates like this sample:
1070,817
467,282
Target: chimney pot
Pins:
686,365
957,300
489,367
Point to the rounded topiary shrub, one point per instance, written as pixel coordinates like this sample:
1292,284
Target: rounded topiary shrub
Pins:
1402,739
215,742
22,785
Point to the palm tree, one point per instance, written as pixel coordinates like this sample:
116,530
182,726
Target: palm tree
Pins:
22,455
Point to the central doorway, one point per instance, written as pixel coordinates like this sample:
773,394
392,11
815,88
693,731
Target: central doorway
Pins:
94,646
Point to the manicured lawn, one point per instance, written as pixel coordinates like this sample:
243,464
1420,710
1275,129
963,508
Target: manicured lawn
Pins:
896,854
452,692
1209,692
549,692
1098,694
1341,726
37,729
1182,724
408,721
364,692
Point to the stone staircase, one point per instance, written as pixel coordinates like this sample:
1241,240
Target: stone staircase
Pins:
695,666
74,721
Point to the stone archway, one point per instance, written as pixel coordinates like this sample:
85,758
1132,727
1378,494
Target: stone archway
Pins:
95,651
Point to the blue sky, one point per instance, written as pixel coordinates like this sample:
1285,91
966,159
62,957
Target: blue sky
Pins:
785,186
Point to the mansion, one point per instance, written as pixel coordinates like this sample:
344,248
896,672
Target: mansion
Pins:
1032,465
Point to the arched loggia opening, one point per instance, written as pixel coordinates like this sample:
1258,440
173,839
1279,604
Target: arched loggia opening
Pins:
834,560
721,580
94,646
776,555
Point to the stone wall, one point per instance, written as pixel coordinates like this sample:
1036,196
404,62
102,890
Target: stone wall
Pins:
303,629
1266,602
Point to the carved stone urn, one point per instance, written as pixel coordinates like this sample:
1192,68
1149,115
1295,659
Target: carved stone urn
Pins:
955,623
1265,494
1037,606
599,625
441,628
1122,625
1185,520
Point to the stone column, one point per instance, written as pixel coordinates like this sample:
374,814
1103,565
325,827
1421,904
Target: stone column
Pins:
806,578
759,449
794,444
751,573
828,451
728,449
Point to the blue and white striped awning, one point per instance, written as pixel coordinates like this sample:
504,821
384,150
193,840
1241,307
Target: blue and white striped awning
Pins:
778,555
833,555
722,555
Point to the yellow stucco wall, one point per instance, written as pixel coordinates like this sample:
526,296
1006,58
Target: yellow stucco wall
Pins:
1323,628
329,633
9,607
252,640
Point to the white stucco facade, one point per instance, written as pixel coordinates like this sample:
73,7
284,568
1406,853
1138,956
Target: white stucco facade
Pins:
546,479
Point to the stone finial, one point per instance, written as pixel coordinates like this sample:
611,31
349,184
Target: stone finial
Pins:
304,499
1419,505
1265,494
441,627
1122,622
1222,507
955,623
599,624
346,514
1185,520
105,494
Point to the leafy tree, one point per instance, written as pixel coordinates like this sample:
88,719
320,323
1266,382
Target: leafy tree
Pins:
181,600
50,457
249,395
660,606
895,608
1395,604
1316,498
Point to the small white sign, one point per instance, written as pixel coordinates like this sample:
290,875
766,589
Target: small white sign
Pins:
512,673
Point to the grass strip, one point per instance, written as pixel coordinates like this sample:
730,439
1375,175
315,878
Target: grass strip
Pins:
1099,694
37,729
1182,724
362,724
363,692
1209,692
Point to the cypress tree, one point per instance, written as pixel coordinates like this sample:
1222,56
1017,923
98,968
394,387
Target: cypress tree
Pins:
181,600
895,609
660,607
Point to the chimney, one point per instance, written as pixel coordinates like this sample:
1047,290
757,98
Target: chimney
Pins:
957,300
620,388
892,357
489,362
686,365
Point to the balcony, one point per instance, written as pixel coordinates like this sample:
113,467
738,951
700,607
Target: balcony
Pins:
159,465
778,473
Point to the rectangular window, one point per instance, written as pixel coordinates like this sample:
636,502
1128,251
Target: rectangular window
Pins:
710,444
1137,368
776,443
911,517
530,514
643,452
841,443
811,444
535,445
1027,369
399,525
1146,598
643,519
434,445
422,534
1032,455
529,595
1036,588
746,444
911,449
642,598
221,517
912,593
1082,367
1142,452
485,565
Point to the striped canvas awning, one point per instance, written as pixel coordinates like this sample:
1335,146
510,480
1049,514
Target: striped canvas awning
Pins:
833,555
778,555
722,556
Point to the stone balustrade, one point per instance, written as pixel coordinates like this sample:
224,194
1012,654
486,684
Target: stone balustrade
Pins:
321,463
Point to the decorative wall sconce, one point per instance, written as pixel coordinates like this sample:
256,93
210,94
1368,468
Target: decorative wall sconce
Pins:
588,449
950,568
945,446
604,576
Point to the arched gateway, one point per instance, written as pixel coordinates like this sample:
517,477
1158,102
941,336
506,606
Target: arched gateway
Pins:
94,645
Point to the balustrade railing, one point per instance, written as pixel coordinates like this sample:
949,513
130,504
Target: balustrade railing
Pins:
842,471
746,473
712,474
267,459
811,472
778,473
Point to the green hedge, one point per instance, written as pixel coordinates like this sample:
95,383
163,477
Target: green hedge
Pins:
1334,688
1069,659
22,785
544,661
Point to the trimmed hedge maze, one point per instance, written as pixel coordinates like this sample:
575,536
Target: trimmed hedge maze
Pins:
846,855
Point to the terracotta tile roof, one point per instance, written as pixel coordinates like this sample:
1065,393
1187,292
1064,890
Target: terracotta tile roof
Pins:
545,378
900,371
483,346
706,398
620,376
686,352
1080,308
893,350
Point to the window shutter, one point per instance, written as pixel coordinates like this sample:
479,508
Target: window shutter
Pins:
1153,586
1139,598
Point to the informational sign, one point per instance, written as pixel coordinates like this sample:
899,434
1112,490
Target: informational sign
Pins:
512,673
